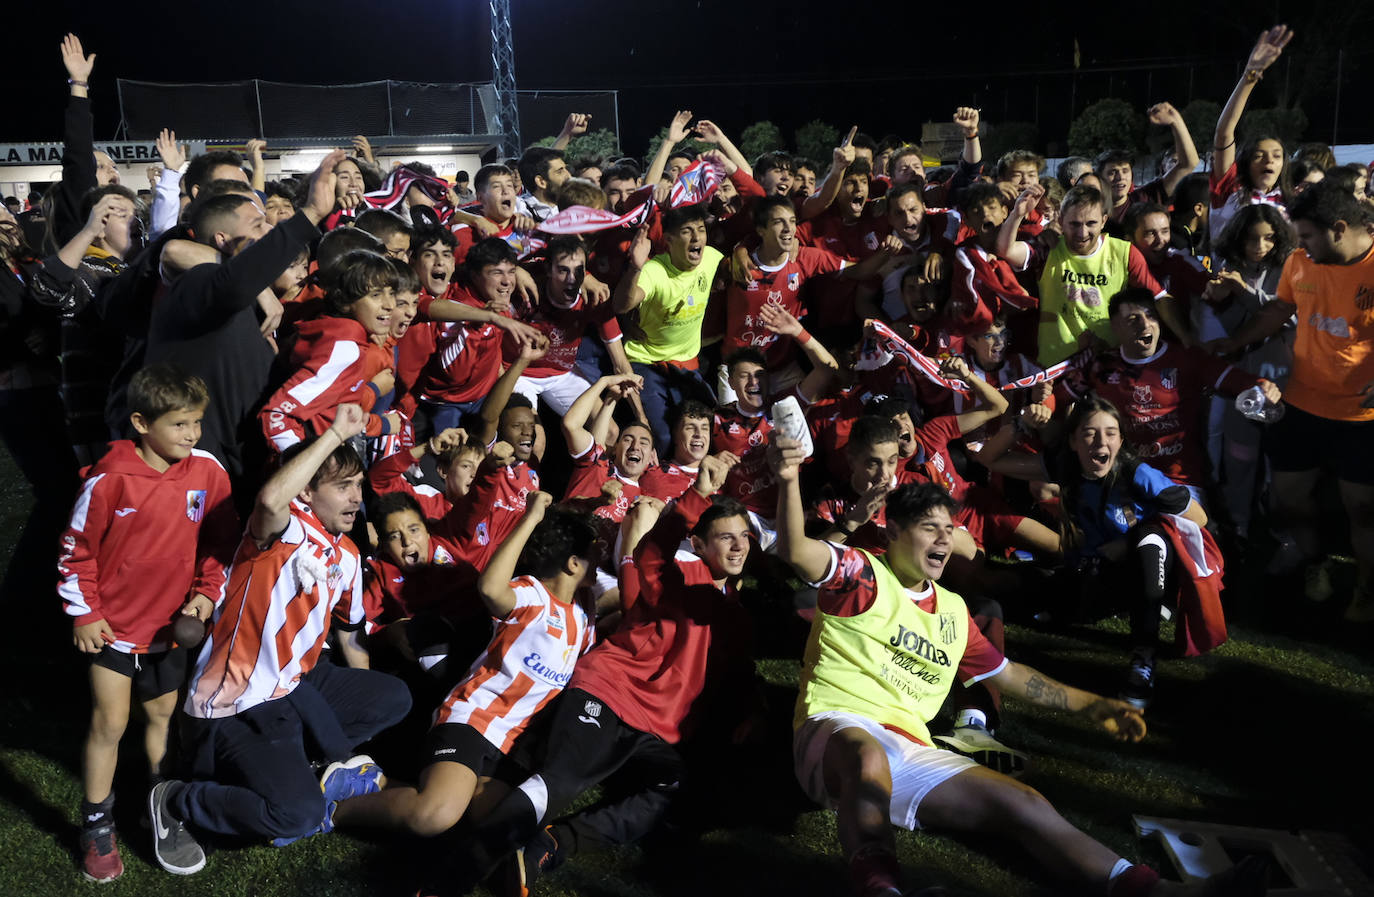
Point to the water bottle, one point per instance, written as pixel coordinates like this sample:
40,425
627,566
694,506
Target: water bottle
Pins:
1255,406
789,422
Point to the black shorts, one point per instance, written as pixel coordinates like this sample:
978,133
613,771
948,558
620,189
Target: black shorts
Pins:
1302,441
153,675
461,743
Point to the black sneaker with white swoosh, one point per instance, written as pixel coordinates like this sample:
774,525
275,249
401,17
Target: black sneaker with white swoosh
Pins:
175,849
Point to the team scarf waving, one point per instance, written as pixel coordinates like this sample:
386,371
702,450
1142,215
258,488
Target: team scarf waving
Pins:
398,183
883,345
697,183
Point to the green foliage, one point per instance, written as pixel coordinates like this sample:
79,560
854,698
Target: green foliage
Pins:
1007,136
1106,124
691,143
1288,125
759,138
1201,118
602,144
816,140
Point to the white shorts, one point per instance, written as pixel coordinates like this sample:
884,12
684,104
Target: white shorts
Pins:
558,391
916,769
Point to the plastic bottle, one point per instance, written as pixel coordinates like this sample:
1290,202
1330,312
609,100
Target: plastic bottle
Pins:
1255,406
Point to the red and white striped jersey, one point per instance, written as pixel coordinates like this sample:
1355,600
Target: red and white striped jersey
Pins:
270,628
528,662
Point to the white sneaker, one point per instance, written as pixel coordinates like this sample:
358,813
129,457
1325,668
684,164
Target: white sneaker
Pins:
977,743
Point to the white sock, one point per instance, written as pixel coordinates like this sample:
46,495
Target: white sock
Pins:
971,716
1117,871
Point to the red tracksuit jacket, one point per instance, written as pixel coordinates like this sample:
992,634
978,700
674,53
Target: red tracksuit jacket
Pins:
335,363
140,542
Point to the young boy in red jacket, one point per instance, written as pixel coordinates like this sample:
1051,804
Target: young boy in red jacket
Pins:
335,359
150,536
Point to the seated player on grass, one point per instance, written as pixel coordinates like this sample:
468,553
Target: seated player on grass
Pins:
886,645
259,697
541,631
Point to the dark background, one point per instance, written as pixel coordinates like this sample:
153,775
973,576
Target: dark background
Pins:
887,66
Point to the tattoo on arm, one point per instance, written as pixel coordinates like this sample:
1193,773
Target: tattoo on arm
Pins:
1046,692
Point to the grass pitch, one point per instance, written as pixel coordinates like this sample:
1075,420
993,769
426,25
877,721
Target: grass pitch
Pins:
1270,730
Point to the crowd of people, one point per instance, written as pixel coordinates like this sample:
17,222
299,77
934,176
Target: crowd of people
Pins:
501,485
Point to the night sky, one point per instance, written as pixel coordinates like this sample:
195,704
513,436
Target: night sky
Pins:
889,69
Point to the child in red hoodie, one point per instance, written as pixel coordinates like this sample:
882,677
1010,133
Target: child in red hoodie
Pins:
150,536
335,359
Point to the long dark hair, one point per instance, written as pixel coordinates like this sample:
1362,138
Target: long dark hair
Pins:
1071,472
1247,152
1230,244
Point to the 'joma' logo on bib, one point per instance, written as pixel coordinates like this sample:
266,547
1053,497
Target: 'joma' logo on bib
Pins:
917,644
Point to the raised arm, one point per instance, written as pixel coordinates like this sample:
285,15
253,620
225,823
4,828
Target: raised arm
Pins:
166,210
809,557
272,510
1267,50
575,125
1117,718
823,365
677,132
840,159
1184,149
628,293
992,402
501,390
494,584
254,148
1017,252
967,118
575,430
708,132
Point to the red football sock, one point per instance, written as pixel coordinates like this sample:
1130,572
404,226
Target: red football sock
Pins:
1137,881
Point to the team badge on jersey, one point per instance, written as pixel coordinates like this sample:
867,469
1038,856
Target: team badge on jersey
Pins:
793,281
947,630
483,537
195,505
753,287
1168,378
871,240
555,622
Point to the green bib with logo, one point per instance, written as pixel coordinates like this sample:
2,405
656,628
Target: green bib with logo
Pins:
1074,291
894,663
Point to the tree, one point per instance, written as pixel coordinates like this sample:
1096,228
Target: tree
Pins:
602,144
1201,118
1007,136
1106,124
816,140
1288,125
689,144
759,138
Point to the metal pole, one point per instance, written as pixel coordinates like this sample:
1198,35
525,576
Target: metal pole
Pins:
1336,117
615,98
390,123
257,95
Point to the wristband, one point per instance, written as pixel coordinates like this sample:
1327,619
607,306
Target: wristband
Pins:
76,83
1253,75
973,136
804,338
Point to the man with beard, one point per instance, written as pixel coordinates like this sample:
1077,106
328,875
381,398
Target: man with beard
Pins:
1079,272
